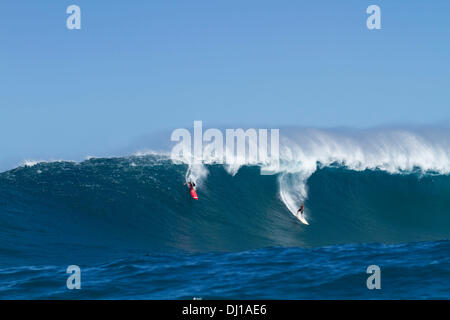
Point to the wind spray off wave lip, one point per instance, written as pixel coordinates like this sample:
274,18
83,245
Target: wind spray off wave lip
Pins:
369,186
300,152
107,214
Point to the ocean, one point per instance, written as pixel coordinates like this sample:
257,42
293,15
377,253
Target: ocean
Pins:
132,227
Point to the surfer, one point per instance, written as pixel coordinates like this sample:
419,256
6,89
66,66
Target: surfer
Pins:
191,185
302,207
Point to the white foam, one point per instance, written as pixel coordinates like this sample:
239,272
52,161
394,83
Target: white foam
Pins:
390,150
32,163
386,149
149,152
196,173
394,150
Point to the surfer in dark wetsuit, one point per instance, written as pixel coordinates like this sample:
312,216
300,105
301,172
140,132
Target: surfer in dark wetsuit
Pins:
302,207
191,184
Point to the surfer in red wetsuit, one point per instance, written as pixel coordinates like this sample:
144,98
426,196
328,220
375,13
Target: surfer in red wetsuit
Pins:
302,207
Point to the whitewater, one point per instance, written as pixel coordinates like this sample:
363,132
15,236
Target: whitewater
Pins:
376,196
302,152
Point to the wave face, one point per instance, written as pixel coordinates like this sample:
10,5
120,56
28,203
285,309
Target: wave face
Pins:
127,219
60,209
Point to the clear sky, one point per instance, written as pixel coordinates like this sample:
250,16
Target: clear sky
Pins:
140,66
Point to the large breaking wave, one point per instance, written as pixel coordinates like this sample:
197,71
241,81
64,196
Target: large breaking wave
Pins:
303,152
371,186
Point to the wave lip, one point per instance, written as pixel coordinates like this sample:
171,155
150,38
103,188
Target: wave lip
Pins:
303,152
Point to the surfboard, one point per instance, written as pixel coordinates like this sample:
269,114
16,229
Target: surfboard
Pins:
302,219
194,193
289,202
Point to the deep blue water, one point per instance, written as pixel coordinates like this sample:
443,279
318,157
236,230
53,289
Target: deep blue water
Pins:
135,232
408,271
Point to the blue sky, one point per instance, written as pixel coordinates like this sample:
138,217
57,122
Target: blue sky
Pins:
143,66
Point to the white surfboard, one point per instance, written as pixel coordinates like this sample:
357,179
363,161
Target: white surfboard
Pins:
301,218
290,205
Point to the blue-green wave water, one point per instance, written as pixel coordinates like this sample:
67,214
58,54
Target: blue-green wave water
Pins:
132,227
